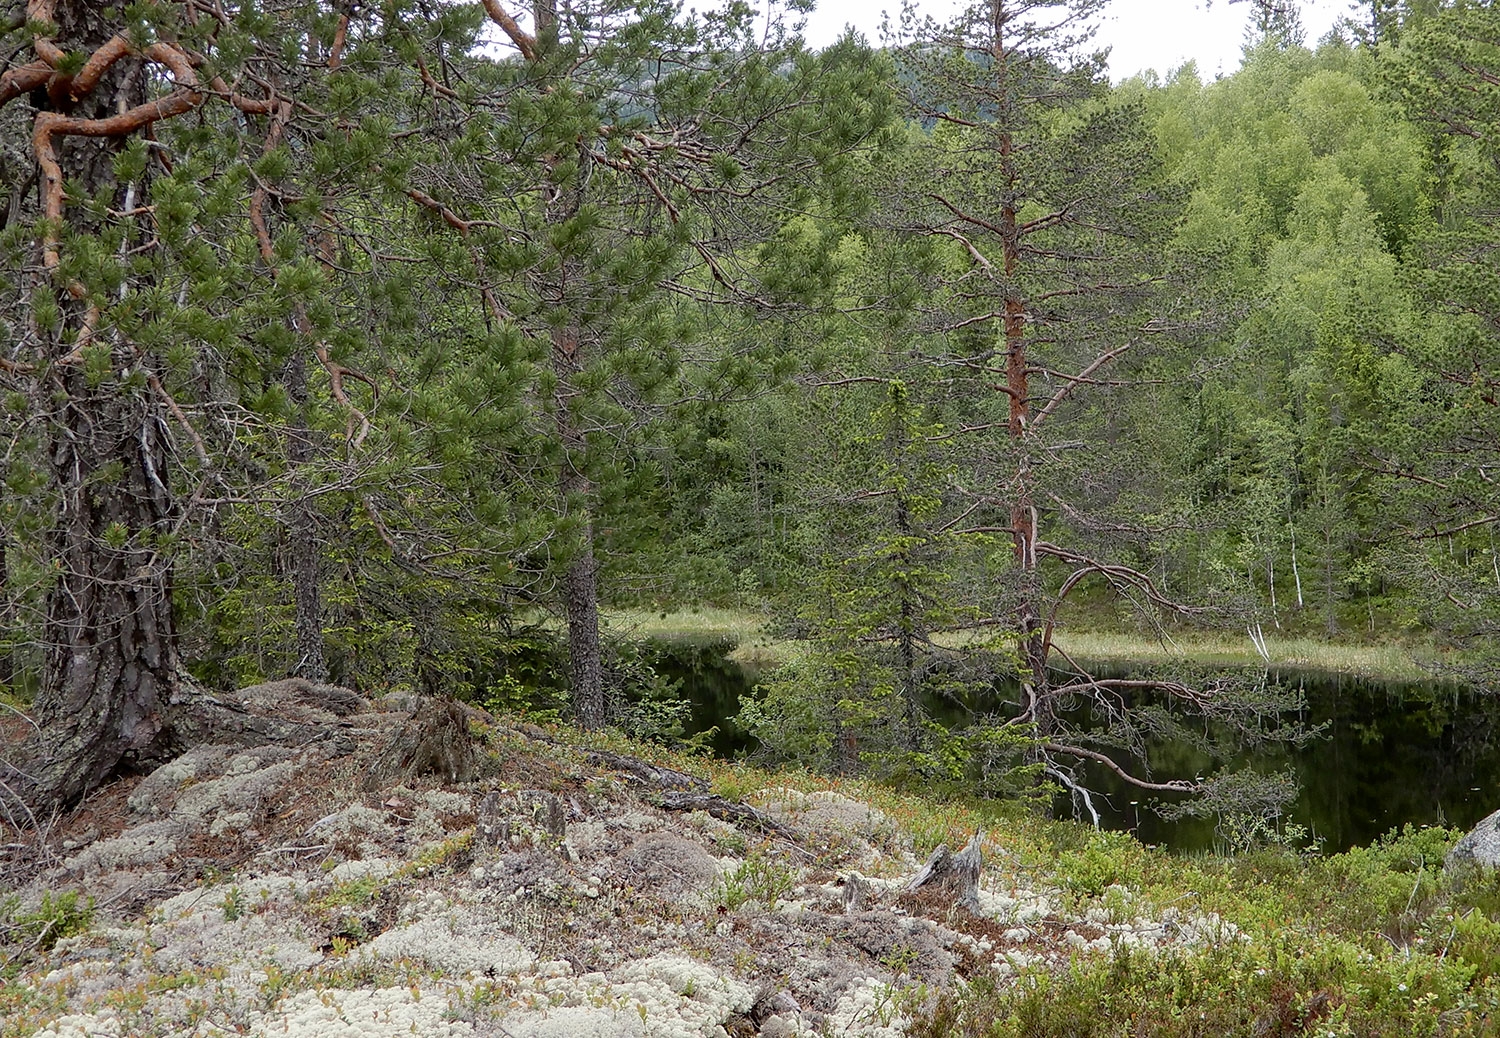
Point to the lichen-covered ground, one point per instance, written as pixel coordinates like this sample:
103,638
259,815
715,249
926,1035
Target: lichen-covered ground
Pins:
278,891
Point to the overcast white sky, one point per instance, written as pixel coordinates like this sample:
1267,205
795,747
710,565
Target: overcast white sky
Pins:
1142,34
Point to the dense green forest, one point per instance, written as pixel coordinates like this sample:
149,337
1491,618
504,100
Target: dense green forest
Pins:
386,344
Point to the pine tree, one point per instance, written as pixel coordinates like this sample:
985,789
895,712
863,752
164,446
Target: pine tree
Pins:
653,149
1052,320
1276,23
178,351
74,301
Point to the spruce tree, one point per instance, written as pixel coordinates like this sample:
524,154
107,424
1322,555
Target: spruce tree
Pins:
1446,71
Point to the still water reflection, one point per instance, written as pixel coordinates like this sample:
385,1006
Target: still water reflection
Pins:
1392,753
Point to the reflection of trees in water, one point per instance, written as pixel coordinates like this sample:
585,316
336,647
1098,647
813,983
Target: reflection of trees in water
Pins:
1390,752
1395,753
713,684
1468,769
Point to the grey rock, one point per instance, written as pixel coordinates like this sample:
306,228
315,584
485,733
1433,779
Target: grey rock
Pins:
302,699
1480,848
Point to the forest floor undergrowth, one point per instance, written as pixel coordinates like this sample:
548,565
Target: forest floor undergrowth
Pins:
755,644
590,887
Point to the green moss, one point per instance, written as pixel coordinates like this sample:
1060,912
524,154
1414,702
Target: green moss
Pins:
354,893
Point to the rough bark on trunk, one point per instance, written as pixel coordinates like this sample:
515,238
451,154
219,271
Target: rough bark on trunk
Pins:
585,662
581,579
906,633
7,658
559,288
110,667
110,663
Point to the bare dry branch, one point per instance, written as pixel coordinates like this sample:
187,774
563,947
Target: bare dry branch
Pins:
340,37
1175,786
23,80
1117,575
1073,382
48,125
99,63
432,83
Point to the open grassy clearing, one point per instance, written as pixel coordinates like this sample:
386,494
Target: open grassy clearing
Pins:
745,629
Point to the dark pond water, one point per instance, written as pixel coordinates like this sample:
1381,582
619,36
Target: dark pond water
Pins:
713,683
1392,753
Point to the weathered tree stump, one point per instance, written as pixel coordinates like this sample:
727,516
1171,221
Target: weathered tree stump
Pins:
433,741
956,875
492,828
856,892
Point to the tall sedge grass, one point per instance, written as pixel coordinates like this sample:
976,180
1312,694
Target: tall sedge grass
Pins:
744,629
753,645
1392,662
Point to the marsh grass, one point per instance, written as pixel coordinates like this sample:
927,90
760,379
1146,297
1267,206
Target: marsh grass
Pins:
698,625
1390,662
753,645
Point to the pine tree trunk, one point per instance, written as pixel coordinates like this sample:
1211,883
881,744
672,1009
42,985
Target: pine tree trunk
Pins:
581,579
299,517
585,661
303,555
559,288
1023,519
110,663
110,669
906,633
7,657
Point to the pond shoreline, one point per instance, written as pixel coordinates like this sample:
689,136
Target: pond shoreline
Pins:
1400,744
753,645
